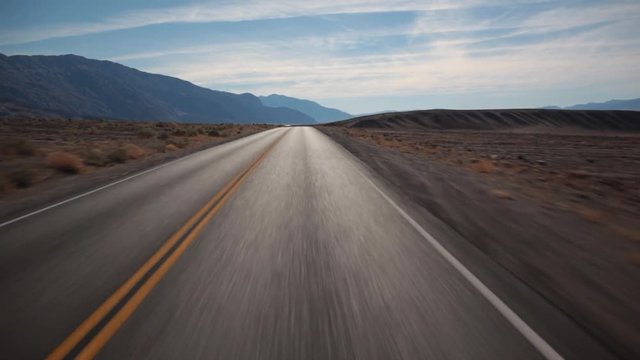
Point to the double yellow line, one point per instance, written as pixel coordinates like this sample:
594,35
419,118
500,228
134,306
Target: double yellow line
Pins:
94,332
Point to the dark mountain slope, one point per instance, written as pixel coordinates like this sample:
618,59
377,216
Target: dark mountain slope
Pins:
75,86
500,119
311,108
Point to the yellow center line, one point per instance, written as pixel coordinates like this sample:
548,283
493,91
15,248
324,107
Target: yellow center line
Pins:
103,336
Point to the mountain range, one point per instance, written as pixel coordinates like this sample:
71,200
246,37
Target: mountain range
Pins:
632,104
74,86
320,113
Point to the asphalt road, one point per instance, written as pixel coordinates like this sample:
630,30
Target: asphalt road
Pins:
291,250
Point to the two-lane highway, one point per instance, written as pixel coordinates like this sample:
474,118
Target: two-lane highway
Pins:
275,246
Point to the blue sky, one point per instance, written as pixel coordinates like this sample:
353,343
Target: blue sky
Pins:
357,55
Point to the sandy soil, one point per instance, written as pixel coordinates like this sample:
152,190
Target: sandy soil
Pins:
596,175
558,211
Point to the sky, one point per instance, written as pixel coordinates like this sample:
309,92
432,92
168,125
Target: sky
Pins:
356,55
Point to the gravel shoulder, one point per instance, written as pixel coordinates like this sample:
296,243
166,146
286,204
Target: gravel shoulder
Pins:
585,263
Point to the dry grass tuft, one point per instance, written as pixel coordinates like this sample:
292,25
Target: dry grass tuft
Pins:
64,162
171,147
180,142
501,194
134,151
483,166
118,155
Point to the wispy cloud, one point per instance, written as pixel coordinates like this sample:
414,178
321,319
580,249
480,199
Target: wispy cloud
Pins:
441,54
229,11
446,67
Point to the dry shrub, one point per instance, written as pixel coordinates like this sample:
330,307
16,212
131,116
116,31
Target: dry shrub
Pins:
158,148
64,162
180,142
179,132
483,166
146,133
118,155
501,194
171,147
213,133
134,151
95,157
192,132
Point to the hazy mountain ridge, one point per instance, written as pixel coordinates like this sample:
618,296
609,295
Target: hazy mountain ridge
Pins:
631,104
318,112
74,86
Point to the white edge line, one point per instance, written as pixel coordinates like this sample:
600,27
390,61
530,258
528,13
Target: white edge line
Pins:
538,342
114,183
87,193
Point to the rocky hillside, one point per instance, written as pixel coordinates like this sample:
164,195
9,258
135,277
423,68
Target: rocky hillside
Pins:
73,86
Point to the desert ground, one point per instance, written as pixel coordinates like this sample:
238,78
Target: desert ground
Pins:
596,175
556,206
48,158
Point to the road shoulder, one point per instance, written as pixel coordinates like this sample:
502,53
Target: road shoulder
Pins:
551,252
24,201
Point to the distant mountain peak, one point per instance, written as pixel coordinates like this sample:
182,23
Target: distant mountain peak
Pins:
631,104
311,108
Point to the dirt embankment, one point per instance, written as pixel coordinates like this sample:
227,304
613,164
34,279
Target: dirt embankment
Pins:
500,119
43,160
558,211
